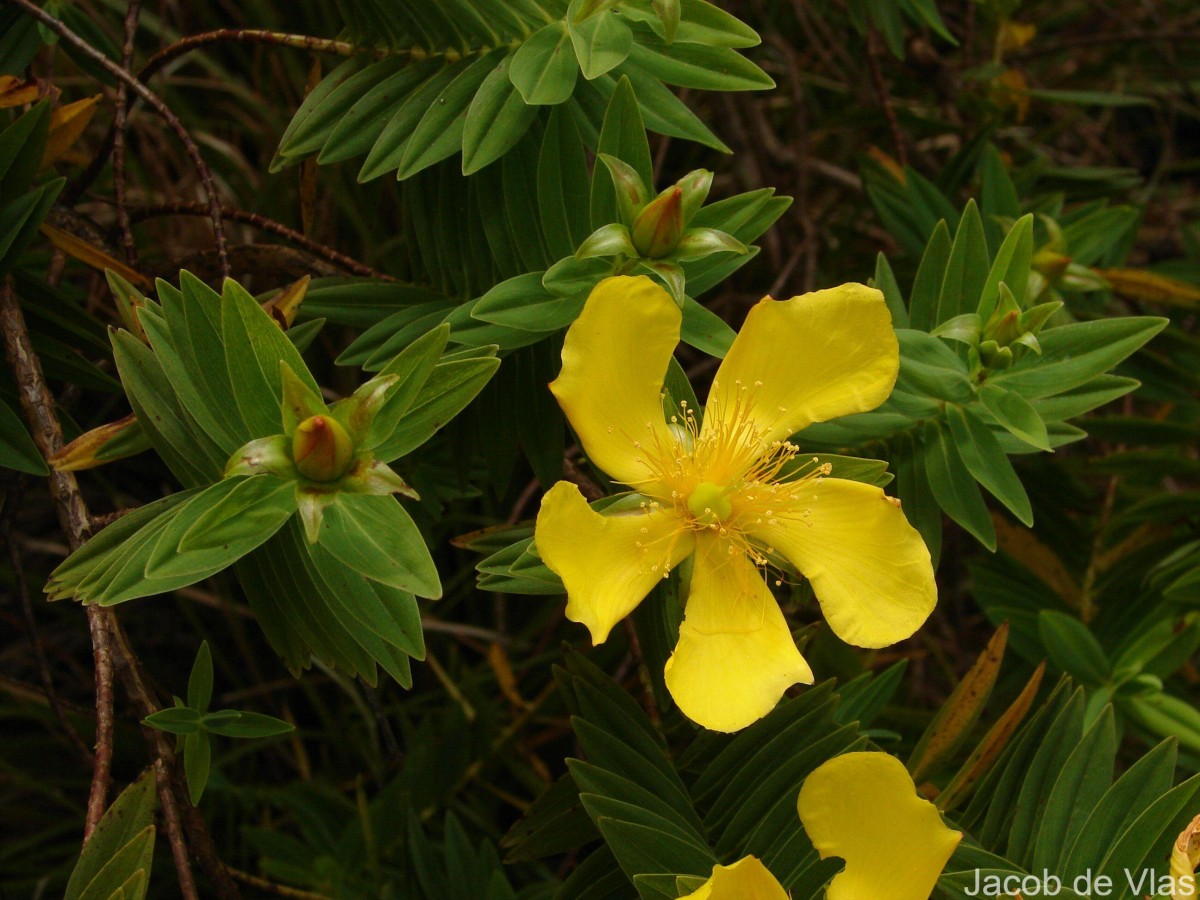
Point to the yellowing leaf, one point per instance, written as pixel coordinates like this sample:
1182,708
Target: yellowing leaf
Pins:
990,747
1138,284
894,168
92,256
1014,35
502,669
283,306
15,92
958,714
1019,543
1011,89
66,125
82,453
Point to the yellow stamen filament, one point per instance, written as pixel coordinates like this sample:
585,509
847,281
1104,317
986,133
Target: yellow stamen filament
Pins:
723,478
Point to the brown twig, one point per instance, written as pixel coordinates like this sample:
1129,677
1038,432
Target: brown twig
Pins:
119,120
278,890
249,36
341,260
36,403
111,649
881,95
123,75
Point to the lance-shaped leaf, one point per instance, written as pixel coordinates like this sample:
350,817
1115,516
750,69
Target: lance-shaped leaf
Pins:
992,745
377,538
121,846
960,711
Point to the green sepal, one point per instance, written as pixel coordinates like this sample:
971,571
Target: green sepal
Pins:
607,240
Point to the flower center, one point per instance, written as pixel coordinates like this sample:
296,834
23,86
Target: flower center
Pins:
710,503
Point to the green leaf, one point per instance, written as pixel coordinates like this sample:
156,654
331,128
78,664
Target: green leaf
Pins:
412,367
159,413
1144,782
929,368
544,69
1166,716
238,512
989,463
1073,355
242,724
966,270
197,759
377,538
602,42
1015,414
453,383
419,86
1079,787
1141,844
623,136
123,825
923,300
17,449
562,182
886,282
121,573
440,132
21,147
954,488
702,22
1073,648
176,720
329,102
1010,268
81,569
496,120
200,682
1087,98
254,348
701,67
663,112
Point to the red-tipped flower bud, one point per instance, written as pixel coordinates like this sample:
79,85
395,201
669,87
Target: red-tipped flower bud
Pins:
321,449
659,225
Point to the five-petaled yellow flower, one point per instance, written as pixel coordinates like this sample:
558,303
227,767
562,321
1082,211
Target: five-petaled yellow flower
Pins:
729,492
864,808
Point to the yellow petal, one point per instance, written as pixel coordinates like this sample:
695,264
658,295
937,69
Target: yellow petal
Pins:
809,359
735,655
614,360
607,563
746,879
869,568
864,808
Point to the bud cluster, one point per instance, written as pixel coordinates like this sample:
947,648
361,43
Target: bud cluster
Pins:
654,233
324,450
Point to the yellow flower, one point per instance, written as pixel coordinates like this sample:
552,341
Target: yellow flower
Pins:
729,491
746,879
864,808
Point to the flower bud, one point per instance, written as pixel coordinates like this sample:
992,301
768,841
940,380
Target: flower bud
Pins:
659,225
321,449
